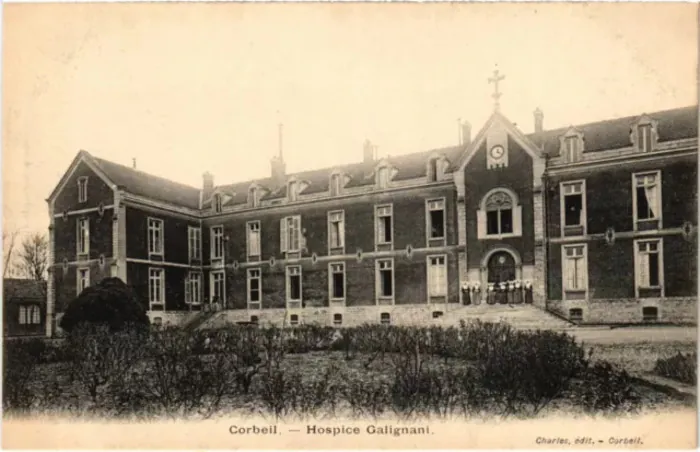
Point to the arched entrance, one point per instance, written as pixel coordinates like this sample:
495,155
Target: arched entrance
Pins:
501,267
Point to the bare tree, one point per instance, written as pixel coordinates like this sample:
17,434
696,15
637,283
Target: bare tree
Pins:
8,247
32,257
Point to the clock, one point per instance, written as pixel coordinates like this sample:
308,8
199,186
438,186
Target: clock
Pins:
497,152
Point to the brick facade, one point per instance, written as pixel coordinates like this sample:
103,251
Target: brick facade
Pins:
461,179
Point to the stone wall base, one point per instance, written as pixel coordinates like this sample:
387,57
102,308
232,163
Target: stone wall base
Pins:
680,310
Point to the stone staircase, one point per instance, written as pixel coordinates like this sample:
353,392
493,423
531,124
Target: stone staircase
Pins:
199,320
522,317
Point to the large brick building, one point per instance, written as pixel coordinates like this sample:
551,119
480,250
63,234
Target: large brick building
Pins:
600,219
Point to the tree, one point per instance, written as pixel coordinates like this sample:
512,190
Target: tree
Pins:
32,257
8,248
111,303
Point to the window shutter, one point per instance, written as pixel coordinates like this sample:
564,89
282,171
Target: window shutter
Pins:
481,223
297,226
188,294
341,231
517,220
283,235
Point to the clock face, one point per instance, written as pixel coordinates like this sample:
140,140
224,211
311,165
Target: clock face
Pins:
497,152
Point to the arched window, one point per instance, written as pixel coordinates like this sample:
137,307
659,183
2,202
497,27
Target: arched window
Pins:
499,215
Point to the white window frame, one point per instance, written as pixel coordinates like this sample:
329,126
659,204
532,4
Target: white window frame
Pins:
287,227
516,216
659,203
217,203
194,242
293,270
378,281
433,205
83,236
565,259
82,283
383,176
335,268
254,274
383,211
293,191
253,228
156,226
336,216
437,161
648,142
638,265
253,197
82,189
335,186
216,234
212,284
193,281
156,274
562,204
430,268
29,315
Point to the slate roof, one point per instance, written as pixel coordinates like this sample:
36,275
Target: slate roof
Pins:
150,186
15,290
673,125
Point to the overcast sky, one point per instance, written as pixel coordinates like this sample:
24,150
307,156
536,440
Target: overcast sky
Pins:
193,87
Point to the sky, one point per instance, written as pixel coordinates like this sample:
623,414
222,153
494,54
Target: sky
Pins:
189,88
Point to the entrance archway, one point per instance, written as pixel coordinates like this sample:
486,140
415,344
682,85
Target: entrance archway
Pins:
501,267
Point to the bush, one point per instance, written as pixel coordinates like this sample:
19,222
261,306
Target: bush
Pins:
18,368
681,367
604,388
111,302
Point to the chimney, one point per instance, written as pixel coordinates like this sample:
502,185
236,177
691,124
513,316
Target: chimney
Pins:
466,132
369,152
539,121
133,163
277,166
207,185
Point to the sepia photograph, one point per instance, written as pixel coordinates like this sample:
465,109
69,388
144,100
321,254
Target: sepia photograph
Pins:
358,225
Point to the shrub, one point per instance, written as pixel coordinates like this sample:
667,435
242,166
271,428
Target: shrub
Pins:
604,388
681,367
366,397
18,367
110,302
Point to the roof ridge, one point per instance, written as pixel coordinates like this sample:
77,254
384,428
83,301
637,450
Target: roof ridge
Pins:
135,170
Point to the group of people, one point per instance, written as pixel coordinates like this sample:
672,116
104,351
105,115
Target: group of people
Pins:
504,292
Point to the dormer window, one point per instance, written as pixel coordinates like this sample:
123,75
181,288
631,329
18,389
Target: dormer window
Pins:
383,177
571,146
335,185
217,203
433,170
82,189
293,191
253,197
571,149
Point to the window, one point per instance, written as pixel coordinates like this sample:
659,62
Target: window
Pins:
294,286
82,189
572,146
575,268
253,200
644,138
650,313
155,236
385,279
336,229
576,314
218,286
193,288
253,238
337,319
29,315
83,279
437,314
574,206
384,234
217,242
83,236
254,319
254,288
433,170
647,200
385,318
437,276
383,177
649,268
290,235
156,286
217,203
194,239
337,281
336,185
499,208
436,219
294,319
292,191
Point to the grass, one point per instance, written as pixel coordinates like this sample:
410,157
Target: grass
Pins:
639,358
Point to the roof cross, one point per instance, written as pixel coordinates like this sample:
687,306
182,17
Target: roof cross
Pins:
496,93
